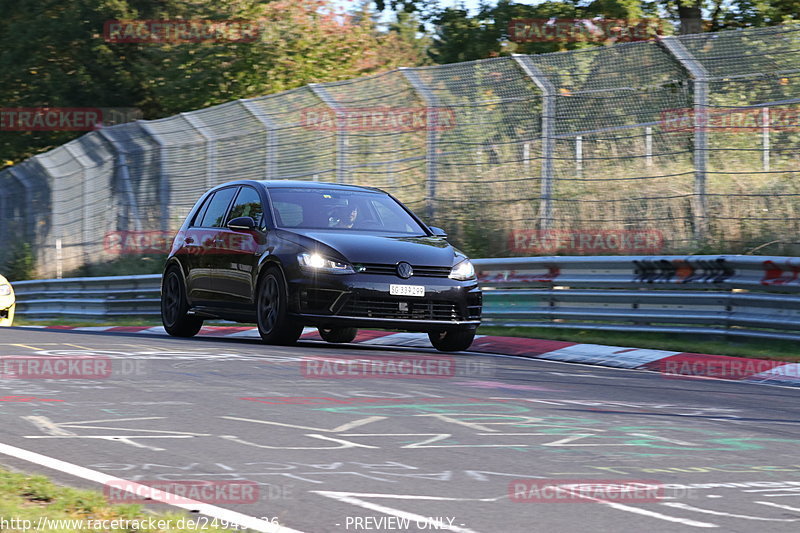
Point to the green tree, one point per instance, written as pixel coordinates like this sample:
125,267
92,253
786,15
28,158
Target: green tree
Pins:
53,53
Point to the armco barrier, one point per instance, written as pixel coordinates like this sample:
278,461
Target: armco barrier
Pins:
755,296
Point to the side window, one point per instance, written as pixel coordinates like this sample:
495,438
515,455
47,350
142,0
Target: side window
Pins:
248,204
198,217
214,216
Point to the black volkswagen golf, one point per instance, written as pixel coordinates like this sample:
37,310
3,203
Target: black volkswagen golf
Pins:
289,254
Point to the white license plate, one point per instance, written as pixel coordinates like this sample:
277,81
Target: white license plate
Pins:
407,290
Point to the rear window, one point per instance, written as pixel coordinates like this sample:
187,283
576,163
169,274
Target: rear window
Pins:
341,210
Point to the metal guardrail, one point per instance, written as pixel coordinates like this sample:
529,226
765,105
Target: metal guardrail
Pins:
134,296
754,296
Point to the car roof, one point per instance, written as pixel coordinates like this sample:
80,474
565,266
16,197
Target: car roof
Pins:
296,184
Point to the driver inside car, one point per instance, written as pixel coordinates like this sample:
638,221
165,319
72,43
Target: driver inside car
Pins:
343,217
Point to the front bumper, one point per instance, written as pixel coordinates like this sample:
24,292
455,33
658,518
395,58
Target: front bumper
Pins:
7,312
363,300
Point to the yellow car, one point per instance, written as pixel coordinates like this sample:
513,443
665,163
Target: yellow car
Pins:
7,302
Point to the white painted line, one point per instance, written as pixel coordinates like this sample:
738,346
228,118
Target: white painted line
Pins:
779,506
687,507
213,511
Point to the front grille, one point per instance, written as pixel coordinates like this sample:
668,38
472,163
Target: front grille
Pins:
401,309
421,271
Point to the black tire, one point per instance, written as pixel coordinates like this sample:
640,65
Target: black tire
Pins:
274,324
338,335
174,307
452,340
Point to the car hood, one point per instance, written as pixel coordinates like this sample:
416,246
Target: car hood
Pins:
384,249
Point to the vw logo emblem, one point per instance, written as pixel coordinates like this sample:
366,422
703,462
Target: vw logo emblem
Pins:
404,270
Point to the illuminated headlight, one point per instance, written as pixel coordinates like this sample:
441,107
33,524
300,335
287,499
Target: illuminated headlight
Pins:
463,271
5,289
323,264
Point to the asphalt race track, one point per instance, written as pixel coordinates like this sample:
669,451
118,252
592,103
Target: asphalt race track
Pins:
455,450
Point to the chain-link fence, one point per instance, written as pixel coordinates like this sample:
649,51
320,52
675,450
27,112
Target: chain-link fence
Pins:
682,145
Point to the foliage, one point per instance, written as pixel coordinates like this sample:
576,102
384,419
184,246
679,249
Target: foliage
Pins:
21,263
54,54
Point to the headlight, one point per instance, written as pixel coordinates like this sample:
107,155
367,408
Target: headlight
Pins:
323,264
5,290
463,271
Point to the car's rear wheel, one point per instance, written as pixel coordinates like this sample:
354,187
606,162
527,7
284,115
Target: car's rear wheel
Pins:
338,335
452,340
174,307
274,324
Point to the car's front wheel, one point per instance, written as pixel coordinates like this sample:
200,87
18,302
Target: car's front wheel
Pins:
174,307
452,340
274,324
338,335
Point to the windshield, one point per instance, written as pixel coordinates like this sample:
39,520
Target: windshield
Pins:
341,210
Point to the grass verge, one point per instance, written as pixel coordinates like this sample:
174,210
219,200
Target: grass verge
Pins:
27,502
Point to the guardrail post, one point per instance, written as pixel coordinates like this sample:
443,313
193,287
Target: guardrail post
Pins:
211,147
270,164
163,178
548,118
431,142
341,132
700,80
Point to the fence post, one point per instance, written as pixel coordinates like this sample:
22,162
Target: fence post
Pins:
211,147
121,168
85,208
548,118
700,80
163,179
29,231
431,141
341,130
271,157
648,145
765,126
579,156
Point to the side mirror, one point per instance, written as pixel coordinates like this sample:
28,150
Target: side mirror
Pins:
438,232
242,224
